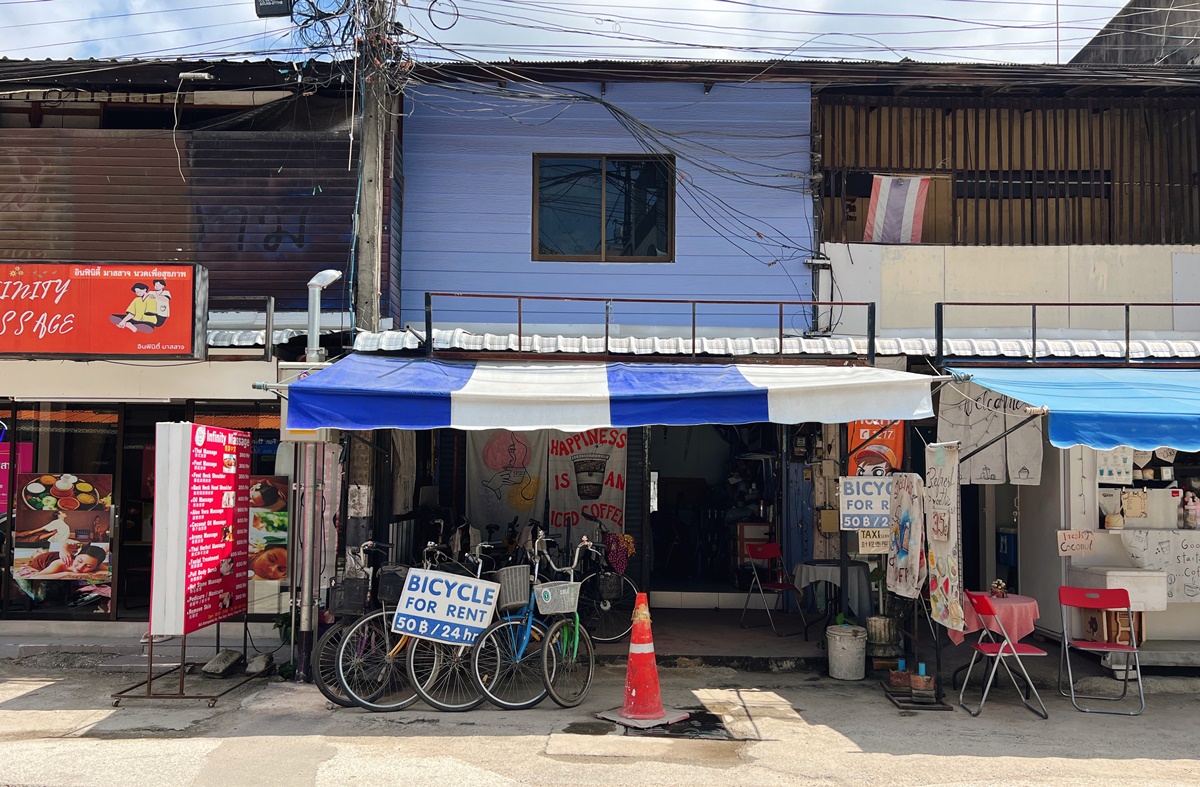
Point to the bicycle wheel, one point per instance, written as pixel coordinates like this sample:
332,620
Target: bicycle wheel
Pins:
441,675
371,667
325,674
568,662
509,677
606,601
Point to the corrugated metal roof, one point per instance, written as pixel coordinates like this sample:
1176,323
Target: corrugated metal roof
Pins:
251,338
458,339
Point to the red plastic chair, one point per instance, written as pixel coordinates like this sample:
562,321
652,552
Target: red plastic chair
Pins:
1099,599
778,581
999,650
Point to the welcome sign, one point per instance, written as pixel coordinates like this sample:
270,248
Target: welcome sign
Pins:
83,310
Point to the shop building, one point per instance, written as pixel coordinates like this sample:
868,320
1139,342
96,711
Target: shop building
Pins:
136,172
1041,187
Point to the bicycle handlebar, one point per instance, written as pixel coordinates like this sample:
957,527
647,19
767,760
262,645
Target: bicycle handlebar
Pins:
584,543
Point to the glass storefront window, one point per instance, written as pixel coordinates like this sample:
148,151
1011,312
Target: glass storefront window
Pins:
60,561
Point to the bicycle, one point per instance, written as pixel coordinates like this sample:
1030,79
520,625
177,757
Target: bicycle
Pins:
568,656
441,673
506,662
372,661
606,597
326,650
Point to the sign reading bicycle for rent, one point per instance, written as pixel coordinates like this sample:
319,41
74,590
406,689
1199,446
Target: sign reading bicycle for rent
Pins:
445,607
863,502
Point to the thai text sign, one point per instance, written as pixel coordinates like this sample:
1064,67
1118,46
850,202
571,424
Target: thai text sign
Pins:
101,311
863,502
445,607
1076,542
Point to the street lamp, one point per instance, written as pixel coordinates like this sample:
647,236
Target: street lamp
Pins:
316,285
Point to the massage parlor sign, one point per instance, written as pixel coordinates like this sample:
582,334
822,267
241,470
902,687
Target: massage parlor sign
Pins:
75,310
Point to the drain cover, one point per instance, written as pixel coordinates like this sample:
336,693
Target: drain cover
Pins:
589,728
700,725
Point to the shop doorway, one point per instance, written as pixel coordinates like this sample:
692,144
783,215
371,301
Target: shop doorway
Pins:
134,543
714,490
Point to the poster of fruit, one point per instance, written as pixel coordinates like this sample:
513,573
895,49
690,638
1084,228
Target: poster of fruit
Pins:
943,526
269,512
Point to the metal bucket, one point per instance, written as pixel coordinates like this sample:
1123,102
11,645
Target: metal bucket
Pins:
883,636
847,652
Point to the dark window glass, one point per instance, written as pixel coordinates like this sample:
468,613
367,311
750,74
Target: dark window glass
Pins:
603,208
570,200
635,223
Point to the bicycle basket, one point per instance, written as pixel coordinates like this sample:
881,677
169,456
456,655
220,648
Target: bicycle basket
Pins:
557,598
611,585
349,596
514,586
391,582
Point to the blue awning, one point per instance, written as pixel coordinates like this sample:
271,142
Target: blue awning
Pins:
365,391
1105,408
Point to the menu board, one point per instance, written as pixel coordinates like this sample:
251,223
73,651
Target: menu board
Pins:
201,510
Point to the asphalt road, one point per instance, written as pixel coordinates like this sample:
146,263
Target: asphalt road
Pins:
58,727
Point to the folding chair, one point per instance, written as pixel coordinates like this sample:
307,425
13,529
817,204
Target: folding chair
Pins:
1096,599
779,581
999,650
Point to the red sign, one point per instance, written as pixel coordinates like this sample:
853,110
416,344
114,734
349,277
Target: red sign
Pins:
101,311
24,465
875,452
217,526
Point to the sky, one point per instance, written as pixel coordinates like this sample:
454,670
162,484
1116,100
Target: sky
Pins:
1009,31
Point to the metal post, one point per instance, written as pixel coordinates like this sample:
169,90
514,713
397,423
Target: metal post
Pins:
428,324
939,330
871,333
309,513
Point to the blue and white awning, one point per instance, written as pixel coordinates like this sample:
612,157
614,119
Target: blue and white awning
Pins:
371,392
1105,408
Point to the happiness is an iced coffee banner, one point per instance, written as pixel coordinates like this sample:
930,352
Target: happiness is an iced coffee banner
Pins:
587,481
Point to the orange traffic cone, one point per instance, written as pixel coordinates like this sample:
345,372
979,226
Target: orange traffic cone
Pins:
643,700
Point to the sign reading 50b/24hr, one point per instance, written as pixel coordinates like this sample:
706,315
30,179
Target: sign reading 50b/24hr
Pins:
863,502
445,607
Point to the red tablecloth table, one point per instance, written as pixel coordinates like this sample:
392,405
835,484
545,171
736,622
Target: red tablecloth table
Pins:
1017,613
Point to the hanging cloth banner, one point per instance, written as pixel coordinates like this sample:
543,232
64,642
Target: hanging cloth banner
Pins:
587,476
972,416
943,528
906,555
506,474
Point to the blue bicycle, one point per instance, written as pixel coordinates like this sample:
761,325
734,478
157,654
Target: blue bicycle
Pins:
506,661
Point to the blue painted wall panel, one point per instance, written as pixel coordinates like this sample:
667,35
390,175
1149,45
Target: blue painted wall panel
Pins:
743,217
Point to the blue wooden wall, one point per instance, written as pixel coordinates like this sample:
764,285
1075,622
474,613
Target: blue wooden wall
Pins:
743,218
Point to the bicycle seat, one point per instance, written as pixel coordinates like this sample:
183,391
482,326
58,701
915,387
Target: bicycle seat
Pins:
491,530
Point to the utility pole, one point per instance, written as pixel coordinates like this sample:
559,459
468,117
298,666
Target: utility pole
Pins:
373,54
376,106
371,33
